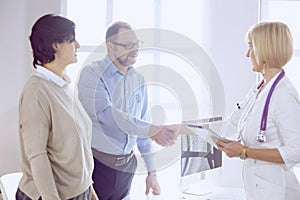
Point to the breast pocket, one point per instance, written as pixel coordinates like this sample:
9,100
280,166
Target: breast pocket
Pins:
136,103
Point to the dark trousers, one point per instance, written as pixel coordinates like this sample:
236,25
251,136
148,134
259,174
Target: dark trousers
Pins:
87,195
113,183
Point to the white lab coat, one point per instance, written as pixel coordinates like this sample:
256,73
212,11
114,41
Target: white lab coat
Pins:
267,180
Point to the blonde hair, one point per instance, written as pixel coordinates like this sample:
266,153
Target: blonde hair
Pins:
272,43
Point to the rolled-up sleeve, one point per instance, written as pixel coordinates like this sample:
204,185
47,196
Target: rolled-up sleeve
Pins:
96,100
287,115
230,125
229,128
145,146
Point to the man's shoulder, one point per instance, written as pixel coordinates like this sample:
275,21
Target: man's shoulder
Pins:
137,75
96,67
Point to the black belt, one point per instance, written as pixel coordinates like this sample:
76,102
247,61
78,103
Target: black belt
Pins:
112,160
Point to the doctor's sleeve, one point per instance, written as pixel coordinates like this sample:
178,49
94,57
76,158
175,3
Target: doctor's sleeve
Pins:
287,115
230,125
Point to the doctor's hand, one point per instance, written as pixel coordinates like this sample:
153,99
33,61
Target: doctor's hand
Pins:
167,135
162,135
180,129
230,147
152,183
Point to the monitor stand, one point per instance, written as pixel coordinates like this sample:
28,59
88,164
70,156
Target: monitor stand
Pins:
196,185
199,188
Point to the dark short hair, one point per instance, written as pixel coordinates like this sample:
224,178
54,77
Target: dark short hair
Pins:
48,30
114,28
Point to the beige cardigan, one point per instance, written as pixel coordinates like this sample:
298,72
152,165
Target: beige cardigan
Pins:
55,141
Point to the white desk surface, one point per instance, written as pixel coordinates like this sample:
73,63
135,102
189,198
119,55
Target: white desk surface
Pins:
170,183
219,193
171,186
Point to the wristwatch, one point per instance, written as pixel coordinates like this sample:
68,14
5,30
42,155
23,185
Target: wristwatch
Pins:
244,153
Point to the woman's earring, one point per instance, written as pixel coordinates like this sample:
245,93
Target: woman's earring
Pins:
263,69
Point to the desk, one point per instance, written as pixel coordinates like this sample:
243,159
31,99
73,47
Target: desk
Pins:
226,193
219,193
171,184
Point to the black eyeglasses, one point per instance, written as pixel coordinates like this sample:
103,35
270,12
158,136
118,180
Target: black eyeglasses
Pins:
129,46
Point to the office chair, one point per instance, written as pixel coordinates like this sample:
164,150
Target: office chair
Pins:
9,185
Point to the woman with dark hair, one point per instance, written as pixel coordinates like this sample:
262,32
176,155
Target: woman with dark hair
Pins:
54,130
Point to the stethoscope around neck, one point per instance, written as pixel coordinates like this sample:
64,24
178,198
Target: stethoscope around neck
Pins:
261,137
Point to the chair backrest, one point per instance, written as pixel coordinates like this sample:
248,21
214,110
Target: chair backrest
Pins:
9,185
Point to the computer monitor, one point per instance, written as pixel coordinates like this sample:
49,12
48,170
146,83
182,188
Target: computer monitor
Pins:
198,157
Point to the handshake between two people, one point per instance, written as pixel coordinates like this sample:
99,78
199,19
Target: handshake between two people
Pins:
166,135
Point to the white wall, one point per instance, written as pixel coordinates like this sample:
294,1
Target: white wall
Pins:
16,19
226,45
229,23
231,20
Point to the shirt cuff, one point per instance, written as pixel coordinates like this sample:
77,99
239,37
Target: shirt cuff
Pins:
290,159
149,161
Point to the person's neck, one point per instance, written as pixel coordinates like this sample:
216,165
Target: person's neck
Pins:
56,68
120,67
270,73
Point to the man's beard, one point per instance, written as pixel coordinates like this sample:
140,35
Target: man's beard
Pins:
124,62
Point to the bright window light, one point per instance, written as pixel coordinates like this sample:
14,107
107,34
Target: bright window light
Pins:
286,11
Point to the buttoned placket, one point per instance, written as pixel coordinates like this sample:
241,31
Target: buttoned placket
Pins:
126,98
125,106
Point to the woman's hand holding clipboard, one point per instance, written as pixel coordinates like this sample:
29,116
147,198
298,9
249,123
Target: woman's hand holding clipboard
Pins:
208,134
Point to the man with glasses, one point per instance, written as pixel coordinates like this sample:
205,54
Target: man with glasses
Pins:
115,97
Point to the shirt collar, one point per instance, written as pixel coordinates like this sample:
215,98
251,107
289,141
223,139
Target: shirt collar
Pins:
49,75
113,68
270,83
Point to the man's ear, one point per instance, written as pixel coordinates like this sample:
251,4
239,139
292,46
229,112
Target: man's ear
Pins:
109,45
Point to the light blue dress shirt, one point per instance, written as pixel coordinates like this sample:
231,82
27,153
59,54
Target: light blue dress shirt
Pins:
117,104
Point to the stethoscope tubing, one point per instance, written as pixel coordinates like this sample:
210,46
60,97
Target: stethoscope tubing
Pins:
261,137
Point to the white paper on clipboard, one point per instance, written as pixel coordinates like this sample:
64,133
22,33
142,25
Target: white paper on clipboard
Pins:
205,133
204,120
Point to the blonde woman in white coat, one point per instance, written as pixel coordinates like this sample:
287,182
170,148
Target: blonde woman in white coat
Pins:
268,120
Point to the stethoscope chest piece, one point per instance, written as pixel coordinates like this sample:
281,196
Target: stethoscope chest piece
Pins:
260,137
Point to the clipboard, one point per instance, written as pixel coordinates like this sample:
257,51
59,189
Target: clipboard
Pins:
204,120
206,134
